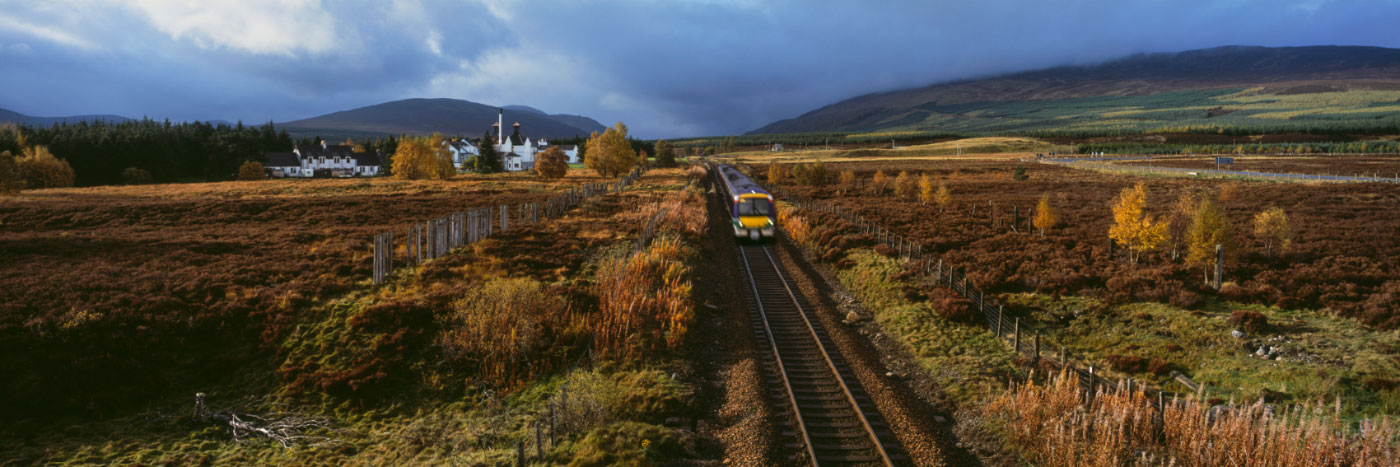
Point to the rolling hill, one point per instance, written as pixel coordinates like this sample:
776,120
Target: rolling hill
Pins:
7,116
1250,87
446,116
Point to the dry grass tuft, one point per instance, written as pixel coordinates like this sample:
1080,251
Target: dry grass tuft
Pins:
1056,427
497,328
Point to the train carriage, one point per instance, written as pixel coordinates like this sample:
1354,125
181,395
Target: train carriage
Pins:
752,211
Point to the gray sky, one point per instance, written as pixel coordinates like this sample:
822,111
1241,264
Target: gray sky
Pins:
666,68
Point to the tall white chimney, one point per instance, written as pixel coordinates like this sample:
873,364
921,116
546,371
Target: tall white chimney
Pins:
500,125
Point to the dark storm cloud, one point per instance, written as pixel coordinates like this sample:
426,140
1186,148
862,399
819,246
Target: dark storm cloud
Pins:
672,68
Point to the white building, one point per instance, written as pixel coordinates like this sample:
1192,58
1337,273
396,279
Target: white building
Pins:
310,160
518,152
462,149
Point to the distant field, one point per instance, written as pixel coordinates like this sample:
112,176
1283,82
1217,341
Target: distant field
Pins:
1311,165
1000,147
1257,109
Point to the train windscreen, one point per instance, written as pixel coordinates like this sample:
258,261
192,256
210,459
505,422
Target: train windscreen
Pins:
755,207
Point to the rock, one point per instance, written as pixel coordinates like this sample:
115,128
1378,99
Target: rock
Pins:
852,317
1238,334
889,374
1263,350
939,419
726,461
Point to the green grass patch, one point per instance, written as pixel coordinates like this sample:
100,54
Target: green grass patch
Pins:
1317,357
966,360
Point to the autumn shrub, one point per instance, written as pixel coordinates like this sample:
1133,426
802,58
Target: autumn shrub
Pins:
813,174
951,306
644,300
794,224
1186,299
1249,321
1053,426
1158,367
11,181
251,170
496,328
40,169
554,164
1127,363
135,176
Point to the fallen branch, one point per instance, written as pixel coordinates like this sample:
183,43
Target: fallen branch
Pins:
288,430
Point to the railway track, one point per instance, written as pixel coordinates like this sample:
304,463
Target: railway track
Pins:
833,421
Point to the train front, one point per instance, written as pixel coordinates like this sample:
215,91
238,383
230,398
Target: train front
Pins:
754,215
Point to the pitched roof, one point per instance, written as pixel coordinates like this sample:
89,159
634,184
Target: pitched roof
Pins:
367,158
282,159
568,147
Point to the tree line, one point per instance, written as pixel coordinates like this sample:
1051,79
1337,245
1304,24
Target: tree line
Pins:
100,153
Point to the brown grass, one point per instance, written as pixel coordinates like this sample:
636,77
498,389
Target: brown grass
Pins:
1055,426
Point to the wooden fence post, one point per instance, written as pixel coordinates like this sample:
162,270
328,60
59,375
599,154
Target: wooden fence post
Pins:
1036,360
378,261
1016,335
539,439
505,218
1000,309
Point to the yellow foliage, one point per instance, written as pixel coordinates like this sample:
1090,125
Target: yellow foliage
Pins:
609,153
552,163
1209,227
41,169
1271,226
1132,227
1045,216
879,181
775,173
251,170
943,197
848,179
423,157
926,189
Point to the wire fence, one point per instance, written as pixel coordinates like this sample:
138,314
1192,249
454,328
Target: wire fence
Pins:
1027,344
437,237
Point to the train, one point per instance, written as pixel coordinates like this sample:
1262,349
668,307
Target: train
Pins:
752,210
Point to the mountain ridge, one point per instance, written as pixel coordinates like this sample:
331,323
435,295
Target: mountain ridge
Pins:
10,116
440,115
1141,74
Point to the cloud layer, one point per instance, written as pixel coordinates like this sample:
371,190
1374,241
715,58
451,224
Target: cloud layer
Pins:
667,68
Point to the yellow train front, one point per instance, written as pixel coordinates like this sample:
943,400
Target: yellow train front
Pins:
752,211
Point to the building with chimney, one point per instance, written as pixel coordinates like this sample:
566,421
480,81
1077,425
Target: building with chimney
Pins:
322,160
516,150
